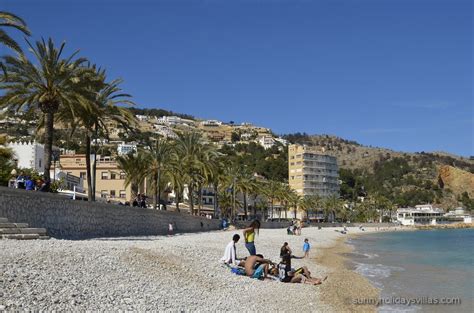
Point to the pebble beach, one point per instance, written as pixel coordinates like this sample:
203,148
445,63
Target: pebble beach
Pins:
177,273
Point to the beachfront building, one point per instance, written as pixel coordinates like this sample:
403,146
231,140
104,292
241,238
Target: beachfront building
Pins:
110,180
312,173
426,214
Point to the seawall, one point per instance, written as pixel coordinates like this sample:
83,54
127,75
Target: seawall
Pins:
70,219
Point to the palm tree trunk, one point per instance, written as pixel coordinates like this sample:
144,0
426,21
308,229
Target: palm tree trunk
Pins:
158,195
190,195
94,167
245,205
88,168
155,190
48,143
296,208
199,200
215,200
272,208
177,199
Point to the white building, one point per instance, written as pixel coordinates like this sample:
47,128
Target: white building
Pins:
125,148
282,141
266,141
174,120
211,123
30,154
427,215
142,118
165,131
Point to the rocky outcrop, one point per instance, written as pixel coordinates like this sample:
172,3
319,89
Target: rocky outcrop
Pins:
457,180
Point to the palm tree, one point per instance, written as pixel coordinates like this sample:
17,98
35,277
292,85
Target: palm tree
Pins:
158,163
11,20
53,84
133,165
188,149
271,190
177,179
331,205
295,201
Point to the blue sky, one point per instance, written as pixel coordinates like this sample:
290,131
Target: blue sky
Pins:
390,73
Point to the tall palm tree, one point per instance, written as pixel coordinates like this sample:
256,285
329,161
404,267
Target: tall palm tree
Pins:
295,201
48,86
331,205
133,165
188,149
158,164
271,190
11,20
177,179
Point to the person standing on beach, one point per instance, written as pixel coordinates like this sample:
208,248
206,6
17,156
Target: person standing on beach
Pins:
249,235
170,229
306,248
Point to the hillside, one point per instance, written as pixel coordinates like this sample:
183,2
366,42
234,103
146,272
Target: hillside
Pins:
404,178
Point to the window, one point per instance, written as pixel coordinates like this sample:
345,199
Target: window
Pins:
122,175
82,175
40,163
122,194
104,193
105,175
113,175
112,193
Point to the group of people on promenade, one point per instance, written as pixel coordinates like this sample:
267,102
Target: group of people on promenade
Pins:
257,266
27,182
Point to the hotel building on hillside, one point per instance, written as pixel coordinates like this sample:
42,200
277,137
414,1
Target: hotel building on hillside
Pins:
312,173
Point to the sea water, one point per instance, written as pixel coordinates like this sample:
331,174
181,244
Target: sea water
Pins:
416,270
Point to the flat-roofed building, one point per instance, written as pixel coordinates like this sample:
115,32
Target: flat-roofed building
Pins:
311,172
110,180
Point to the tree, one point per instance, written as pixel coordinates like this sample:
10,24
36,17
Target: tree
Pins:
6,162
52,84
133,165
104,100
157,161
189,154
11,20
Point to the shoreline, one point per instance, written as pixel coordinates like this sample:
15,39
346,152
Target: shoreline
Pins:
344,286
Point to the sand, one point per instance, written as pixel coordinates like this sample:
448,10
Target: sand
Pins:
179,273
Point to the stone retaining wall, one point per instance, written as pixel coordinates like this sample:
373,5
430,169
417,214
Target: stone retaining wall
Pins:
69,219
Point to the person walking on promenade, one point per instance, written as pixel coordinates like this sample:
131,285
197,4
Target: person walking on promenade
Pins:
249,235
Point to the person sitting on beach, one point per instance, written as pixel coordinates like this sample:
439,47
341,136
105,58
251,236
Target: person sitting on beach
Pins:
300,275
249,236
285,249
261,271
289,231
230,253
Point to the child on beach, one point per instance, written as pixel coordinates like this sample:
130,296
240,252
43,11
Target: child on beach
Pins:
306,247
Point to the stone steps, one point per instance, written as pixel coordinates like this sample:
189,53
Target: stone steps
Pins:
20,231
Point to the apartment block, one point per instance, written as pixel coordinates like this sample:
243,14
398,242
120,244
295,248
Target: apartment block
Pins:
110,180
311,172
